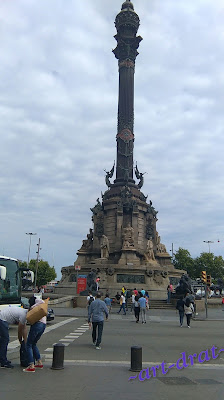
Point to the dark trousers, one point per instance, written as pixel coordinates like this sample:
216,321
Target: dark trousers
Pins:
126,304
181,314
188,316
137,311
168,296
98,325
4,341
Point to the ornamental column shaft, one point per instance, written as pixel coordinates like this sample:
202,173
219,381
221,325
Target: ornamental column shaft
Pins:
127,24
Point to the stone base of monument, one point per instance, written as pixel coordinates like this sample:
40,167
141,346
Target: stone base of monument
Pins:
129,257
100,261
151,276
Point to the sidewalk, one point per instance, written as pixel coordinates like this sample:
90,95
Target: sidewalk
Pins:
214,314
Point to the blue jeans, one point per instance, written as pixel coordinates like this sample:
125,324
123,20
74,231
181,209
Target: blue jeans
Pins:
100,331
122,307
181,314
36,330
4,341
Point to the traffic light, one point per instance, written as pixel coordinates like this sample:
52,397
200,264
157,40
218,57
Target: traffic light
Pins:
204,276
209,280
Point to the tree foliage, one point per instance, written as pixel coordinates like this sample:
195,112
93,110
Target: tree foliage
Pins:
45,273
183,260
213,265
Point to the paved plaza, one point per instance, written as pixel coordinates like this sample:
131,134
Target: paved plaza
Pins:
105,374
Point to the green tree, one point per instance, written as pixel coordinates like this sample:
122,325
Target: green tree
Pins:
213,265
45,273
183,260
22,264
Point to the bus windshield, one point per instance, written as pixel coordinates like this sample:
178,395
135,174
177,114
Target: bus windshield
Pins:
10,288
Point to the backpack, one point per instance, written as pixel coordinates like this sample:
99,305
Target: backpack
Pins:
23,355
91,300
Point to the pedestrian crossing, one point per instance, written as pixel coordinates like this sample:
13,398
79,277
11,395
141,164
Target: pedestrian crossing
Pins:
15,343
66,341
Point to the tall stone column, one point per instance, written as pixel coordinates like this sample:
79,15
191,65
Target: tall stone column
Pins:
127,24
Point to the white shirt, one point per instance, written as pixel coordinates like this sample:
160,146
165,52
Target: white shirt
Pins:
88,298
123,299
133,298
189,310
13,315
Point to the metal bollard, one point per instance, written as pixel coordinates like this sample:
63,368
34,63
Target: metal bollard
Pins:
136,358
58,356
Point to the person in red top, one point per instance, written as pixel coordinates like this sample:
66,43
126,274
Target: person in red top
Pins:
97,283
135,292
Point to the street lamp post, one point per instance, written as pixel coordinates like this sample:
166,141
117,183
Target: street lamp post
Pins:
30,235
208,242
172,252
37,261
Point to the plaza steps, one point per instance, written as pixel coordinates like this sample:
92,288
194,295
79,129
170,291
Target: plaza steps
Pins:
153,304
161,305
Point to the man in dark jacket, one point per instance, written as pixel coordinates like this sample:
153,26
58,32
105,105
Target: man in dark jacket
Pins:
96,314
180,308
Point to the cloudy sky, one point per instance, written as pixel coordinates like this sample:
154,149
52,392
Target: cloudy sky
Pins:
58,112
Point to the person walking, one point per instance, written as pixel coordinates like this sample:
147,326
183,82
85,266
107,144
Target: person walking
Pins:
133,301
89,300
147,302
108,302
117,297
97,310
137,308
126,298
142,304
191,296
35,333
97,283
168,294
122,304
188,309
180,308
11,315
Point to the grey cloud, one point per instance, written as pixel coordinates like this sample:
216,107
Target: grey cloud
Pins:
58,108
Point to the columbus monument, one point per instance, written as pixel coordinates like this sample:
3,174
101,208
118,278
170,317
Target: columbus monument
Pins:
124,247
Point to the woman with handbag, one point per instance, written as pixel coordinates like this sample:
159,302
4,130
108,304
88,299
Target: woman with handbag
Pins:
36,331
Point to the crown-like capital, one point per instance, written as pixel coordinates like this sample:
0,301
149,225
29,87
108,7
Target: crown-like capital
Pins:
127,20
127,23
